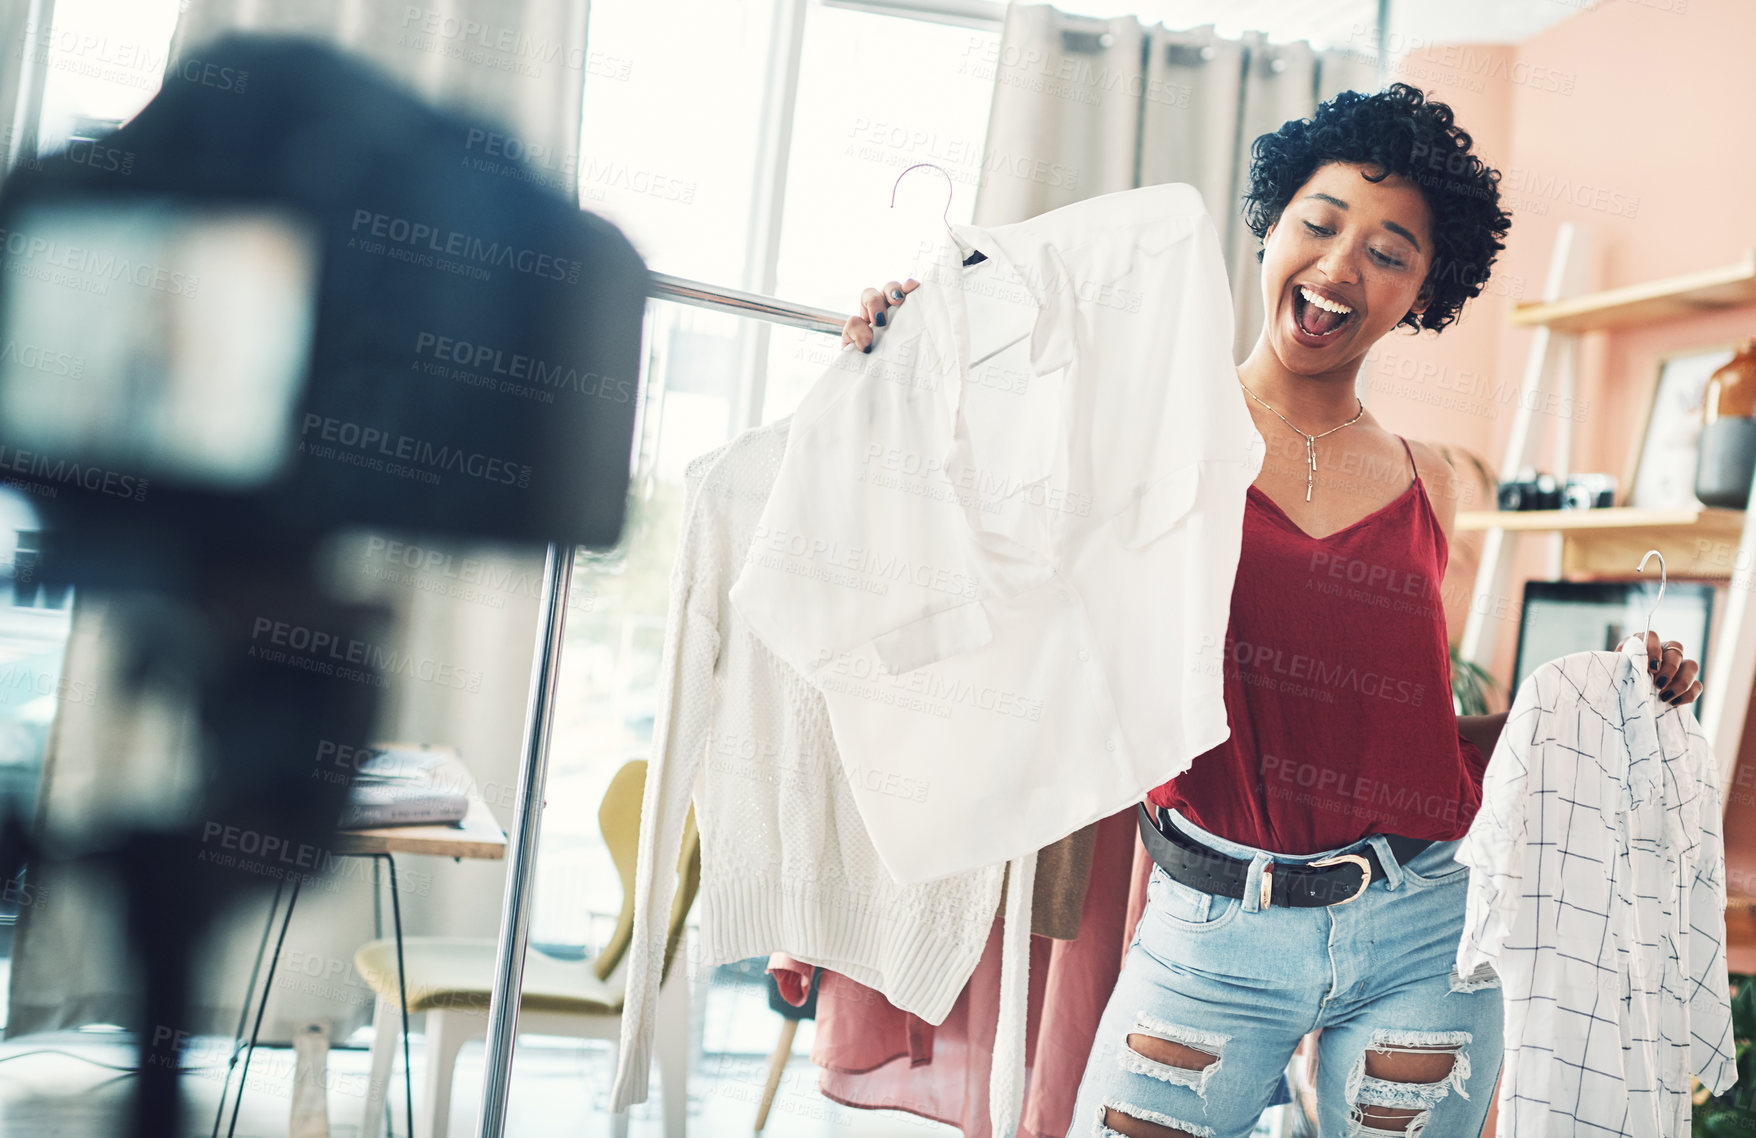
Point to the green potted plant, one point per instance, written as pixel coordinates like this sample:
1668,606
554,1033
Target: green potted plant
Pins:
1733,1113
1470,683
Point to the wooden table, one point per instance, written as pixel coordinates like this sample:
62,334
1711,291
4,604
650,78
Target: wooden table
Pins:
477,836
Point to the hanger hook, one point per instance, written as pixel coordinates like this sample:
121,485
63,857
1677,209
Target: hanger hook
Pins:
1663,576
950,190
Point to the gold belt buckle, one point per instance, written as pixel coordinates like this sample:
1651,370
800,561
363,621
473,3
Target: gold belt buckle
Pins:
1357,859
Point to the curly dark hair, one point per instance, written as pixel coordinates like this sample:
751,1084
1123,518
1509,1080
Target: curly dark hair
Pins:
1399,131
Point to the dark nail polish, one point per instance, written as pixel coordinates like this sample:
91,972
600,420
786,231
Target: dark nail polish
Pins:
868,348
879,320
1667,695
895,294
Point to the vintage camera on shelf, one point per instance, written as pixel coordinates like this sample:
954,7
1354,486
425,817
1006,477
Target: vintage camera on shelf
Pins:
1588,492
1530,491
1534,491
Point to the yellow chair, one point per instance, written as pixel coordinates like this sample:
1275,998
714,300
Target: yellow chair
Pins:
450,979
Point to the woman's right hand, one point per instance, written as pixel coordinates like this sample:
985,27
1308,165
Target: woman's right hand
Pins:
874,313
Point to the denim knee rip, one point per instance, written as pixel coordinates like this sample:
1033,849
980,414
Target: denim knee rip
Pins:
1196,1078
1141,1114
1365,1090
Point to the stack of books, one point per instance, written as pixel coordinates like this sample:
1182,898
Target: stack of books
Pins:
397,785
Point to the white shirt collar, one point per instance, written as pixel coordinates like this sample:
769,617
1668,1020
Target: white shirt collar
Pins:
1634,647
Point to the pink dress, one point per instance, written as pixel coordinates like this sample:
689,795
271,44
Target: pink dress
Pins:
877,1057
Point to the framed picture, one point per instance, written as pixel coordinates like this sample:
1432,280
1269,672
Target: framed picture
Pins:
1664,472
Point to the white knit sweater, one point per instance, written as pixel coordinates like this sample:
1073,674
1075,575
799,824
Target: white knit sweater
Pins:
786,864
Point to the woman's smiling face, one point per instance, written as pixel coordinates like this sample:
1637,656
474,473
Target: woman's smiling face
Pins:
1342,266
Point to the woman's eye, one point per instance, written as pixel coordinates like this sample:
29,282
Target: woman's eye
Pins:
1383,258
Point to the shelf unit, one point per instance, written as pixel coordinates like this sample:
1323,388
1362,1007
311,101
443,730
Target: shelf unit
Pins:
1701,543
1610,542
1669,299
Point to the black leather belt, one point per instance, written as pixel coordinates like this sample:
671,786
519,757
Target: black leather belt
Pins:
1330,881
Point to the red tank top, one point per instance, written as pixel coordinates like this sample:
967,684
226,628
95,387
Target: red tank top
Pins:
1337,680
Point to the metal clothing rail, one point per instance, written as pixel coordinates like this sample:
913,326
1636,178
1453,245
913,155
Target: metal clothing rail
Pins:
521,850
746,304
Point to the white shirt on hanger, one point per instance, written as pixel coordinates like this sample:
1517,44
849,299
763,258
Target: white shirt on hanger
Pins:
1597,893
785,861
1003,543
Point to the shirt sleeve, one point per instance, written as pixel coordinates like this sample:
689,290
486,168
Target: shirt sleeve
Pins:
862,540
681,725
1712,1049
1494,846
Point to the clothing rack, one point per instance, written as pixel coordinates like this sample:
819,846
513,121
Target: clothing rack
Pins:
521,847
753,305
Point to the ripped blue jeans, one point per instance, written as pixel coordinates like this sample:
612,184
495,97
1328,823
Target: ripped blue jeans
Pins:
1226,978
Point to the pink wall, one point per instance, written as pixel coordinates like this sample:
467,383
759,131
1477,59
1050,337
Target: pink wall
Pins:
1631,120
1431,386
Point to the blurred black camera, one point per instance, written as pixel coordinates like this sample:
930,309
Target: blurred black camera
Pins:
1533,491
1530,491
298,312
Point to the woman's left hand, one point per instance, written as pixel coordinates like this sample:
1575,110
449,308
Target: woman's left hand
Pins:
1672,675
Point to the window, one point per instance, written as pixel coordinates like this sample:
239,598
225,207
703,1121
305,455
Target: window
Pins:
675,95
673,116
103,61
877,95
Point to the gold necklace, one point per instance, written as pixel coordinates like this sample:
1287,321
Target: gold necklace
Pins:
1310,440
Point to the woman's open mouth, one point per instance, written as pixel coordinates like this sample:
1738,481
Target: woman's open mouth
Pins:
1318,323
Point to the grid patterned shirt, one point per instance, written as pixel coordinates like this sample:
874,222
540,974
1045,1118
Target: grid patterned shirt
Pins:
1597,892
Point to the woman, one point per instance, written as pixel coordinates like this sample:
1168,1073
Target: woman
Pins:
1373,215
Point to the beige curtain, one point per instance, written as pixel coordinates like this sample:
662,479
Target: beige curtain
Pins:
520,63
1086,106
67,952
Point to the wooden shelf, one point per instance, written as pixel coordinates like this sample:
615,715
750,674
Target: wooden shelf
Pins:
1612,517
1686,295
1609,542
